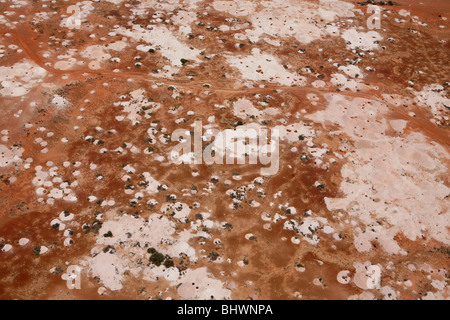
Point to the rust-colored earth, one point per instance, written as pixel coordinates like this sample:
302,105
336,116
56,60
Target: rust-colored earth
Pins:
358,208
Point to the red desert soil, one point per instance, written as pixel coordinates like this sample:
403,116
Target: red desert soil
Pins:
88,113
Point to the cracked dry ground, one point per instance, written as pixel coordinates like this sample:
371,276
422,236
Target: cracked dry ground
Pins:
358,209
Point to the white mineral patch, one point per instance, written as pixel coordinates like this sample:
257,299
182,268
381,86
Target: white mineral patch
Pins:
306,23
365,277
244,108
116,46
85,8
138,104
261,66
178,210
44,250
161,38
236,8
398,125
23,241
10,156
439,285
170,5
66,216
184,19
166,72
109,268
199,284
158,232
18,79
411,165
307,229
67,61
389,293
344,277
152,184
6,247
96,54
319,84
365,41
352,71
343,83
300,268
435,98
102,290
59,101
404,13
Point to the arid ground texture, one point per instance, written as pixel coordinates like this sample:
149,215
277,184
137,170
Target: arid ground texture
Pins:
92,207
